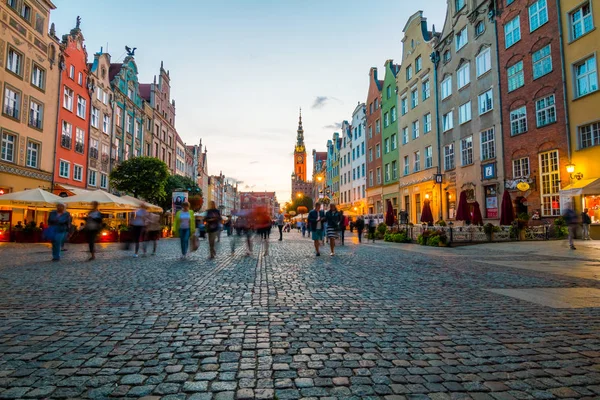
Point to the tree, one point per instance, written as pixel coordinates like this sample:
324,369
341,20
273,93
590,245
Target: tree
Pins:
143,177
183,183
300,201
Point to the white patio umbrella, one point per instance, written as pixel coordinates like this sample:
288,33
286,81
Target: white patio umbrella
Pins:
106,202
32,198
151,207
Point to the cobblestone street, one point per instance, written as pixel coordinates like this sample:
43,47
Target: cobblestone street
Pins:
374,322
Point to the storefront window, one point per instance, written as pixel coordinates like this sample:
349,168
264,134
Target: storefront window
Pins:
418,206
491,201
592,203
451,205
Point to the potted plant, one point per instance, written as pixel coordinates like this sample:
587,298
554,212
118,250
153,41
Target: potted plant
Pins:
441,222
522,222
489,230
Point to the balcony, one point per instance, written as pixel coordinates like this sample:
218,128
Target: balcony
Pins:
93,152
65,141
12,112
35,122
79,147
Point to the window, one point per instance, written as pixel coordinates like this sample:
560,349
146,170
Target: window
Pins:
418,64
130,93
428,157
370,154
447,121
404,105
394,169
95,117
581,21
94,148
459,4
427,123
426,86
379,175
447,56
370,132
67,135
92,177
64,169
80,79
405,135
378,126
38,76
586,77
589,135
463,75
8,147
68,99
128,123
488,145
387,172
106,124
103,181
386,119
486,102
417,161
550,186
446,87
394,114
542,62
388,91
466,151
516,78
538,14
26,12
409,73
545,111
36,114
414,98
386,145
461,39
370,178
119,112
77,173
479,28
449,157
406,165
99,93
521,168
518,121
415,129
79,140
72,72
377,150
12,102
14,62
33,150
464,113
81,106
512,31
484,62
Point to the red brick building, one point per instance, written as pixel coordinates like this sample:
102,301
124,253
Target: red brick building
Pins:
374,152
72,135
534,130
250,200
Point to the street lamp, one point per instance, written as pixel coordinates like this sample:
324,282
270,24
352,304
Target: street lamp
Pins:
299,195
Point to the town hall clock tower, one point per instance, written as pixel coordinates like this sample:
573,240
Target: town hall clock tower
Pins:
300,153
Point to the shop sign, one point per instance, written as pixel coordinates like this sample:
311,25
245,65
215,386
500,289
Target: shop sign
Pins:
489,171
523,186
439,178
178,199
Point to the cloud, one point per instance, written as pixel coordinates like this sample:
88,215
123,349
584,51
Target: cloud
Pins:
335,125
254,162
321,101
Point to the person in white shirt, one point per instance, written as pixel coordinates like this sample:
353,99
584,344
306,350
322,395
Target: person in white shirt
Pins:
138,226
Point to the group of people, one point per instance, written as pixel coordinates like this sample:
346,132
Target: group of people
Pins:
573,220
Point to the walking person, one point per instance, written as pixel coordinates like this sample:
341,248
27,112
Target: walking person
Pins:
59,224
571,220
334,221
93,225
68,235
359,225
280,218
585,222
154,231
372,228
262,223
138,226
343,225
316,218
303,228
184,224
212,221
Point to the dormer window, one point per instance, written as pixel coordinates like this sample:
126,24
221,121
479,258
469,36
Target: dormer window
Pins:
479,28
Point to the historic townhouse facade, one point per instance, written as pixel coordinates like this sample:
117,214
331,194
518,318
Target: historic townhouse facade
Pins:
100,122
333,168
533,105
359,161
346,166
29,82
319,174
179,156
470,108
71,155
389,136
374,157
419,141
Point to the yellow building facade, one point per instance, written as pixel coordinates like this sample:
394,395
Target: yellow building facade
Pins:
580,41
29,79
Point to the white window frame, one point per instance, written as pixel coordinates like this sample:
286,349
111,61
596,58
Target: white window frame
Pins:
103,180
94,174
95,117
488,144
466,151
81,107
14,61
542,61
9,143
592,135
461,39
448,121
38,77
406,170
414,97
33,153
426,87
519,168
405,135
589,76
106,124
463,75
545,111
512,31
68,169
427,123
518,121
515,76
549,166
68,98
577,19
483,61
486,102
416,161
447,87
404,105
428,157
449,162
538,14
78,176
464,113
415,129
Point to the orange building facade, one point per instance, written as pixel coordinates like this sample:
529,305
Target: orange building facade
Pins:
72,134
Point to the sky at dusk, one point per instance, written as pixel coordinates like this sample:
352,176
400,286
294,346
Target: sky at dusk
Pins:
240,69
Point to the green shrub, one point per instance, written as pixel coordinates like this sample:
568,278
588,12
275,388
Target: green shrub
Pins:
434,241
382,229
402,237
422,240
389,237
561,232
560,221
441,222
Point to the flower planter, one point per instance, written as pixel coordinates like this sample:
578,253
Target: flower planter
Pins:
27,237
125,236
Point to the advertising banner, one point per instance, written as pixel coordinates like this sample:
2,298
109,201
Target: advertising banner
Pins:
178,199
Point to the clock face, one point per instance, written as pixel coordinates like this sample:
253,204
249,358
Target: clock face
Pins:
299,159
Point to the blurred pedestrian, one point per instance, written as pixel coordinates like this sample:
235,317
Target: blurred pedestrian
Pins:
334,221
93,225
280,221
154,231
184,224
343,225
372,228
262,224
213,222
571,220
359,225
138,226
316,218
59,224
585,222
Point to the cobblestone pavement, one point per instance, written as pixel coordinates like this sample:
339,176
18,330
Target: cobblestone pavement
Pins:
374,322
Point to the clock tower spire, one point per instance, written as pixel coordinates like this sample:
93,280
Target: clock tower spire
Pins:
300,153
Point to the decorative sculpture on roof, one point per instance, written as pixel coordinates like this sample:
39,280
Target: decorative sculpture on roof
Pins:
78,23
130,51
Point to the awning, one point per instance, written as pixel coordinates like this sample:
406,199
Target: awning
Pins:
68,190
33,198
583,186
150,207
